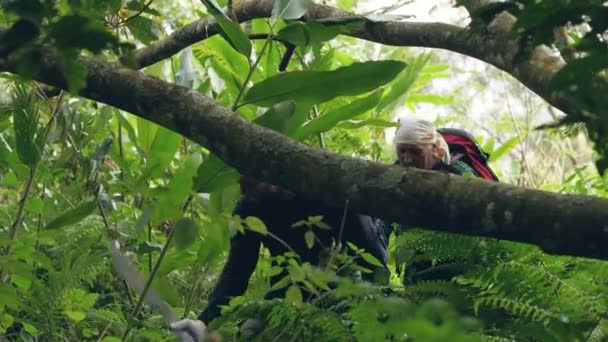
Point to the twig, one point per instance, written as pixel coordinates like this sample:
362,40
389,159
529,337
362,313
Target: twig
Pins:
149,282
140,12
250,73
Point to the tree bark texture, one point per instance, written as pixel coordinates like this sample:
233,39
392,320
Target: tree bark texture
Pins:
562,224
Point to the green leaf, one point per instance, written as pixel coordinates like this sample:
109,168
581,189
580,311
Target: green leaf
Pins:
231,31
6,321
147,247
355,124
25,125
30,329
73,216
504,149
401,87
294,295
431,98
10,180
214,174
22,283
146,131
76,316
76,75
290,9
256,225
186,233
162,151
181,183
137,7
35,205
111,339
143,29
328,121
370,259
309,236
297,33
313,32
278,116
319,86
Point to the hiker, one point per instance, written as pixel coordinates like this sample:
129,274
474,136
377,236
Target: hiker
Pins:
418,144
279,210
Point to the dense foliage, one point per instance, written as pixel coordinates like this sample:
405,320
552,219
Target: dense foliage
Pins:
76,175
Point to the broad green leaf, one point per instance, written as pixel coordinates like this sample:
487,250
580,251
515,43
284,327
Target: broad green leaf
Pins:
231,31
147,247
73,216
399,90
146,131
294,295
143,29
327,121
162,151
186,233
290,9
355,124
297,33
319,86
489,144
504,148
299,117
181,185
22,283
170,201
76,316
278,116
10,180
30,329
256,225
214,174
35,205
320,33
431,98
309,33
309,237
10,297
6,321
286,280
224,199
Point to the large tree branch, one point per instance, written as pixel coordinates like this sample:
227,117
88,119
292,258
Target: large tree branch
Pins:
496,46
564,224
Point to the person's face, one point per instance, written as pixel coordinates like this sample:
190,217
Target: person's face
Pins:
422,156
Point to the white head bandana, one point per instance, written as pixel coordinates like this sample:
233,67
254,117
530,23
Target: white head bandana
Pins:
417,131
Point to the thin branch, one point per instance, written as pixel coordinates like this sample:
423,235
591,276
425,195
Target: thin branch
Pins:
142,295
140,12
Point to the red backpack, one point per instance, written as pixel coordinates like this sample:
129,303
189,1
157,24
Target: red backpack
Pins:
463,147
